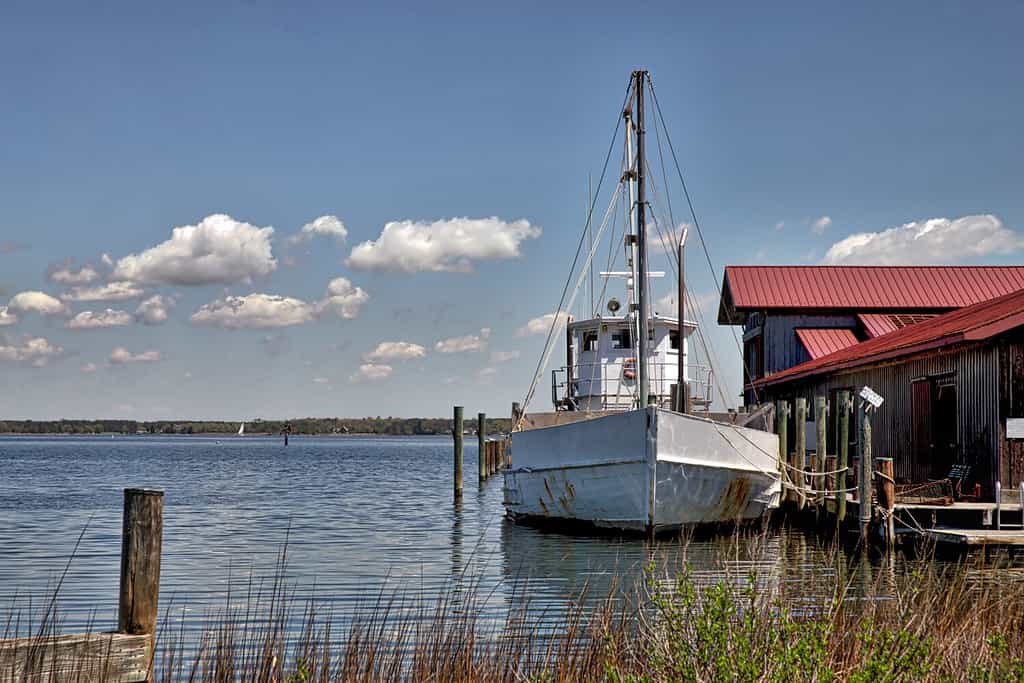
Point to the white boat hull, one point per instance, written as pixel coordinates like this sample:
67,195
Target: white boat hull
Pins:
642,470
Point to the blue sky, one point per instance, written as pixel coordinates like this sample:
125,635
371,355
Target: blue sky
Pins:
122,122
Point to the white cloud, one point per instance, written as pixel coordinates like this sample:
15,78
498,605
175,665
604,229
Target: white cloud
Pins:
154,310
7,317
122,356
780,225
448,245
818,226
106,260
487,372
66,276
934,241
541,325
465,344
87,320
34,351
320,380
395,351
89,368
324,226
254,310
112,291
371,372
36,302
271,310
218,249
503,356
343,299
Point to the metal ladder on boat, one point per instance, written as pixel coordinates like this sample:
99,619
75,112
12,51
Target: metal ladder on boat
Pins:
999,507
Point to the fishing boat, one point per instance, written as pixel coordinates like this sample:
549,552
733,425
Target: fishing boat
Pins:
632,443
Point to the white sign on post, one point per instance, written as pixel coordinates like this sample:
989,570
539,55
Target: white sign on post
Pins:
1015,428
869,395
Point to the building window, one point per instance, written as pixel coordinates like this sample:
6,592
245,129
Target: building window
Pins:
673,339
622,340
590,340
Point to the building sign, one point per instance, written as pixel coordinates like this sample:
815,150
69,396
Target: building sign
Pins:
869,395
1015,428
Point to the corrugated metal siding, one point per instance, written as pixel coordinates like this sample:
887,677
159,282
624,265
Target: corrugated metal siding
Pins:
975,371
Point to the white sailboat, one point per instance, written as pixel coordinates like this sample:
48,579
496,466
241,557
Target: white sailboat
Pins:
622,449
241,429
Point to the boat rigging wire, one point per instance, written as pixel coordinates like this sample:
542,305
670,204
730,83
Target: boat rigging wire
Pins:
696,224
579,247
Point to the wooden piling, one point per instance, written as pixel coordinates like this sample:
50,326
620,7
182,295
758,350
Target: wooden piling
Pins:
842,448
457,429
800,425
886,491
831,477
481,441
821,437
866,471
142,530
781,428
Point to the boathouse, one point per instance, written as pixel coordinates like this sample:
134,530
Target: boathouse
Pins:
794,314
953,387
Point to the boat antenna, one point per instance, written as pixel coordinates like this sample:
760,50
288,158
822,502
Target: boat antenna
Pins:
643,381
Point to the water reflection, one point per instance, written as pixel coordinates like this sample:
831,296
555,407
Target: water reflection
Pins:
361,517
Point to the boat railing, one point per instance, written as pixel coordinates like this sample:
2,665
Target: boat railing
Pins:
612,386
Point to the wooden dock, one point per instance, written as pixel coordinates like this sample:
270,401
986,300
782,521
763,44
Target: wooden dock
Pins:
969,538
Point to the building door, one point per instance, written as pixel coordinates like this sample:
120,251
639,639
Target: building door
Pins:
944,427
921,424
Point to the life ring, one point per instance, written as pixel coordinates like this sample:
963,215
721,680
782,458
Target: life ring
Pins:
629,368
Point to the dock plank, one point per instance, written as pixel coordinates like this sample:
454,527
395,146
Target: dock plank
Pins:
83,658
976,537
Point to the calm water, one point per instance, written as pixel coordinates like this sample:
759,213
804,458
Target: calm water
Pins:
359,515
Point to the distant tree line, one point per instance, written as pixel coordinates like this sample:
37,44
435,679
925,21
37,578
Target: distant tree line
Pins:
307,425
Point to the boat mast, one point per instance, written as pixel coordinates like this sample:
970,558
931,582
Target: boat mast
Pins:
643,381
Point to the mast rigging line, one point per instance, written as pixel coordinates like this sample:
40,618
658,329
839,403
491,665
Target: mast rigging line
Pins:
556,322
575,259
696,224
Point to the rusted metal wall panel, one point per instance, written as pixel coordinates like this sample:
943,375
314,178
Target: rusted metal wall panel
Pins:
975,371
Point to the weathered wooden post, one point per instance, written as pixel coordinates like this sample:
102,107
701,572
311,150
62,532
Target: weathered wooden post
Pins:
141,543
800,425
457,429
481,440
886,491
842,447
781,418
821,437
866,471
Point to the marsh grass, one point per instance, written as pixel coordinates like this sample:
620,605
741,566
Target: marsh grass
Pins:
851,621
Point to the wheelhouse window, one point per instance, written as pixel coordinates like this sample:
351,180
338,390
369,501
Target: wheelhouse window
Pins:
673,339
622,339
590,340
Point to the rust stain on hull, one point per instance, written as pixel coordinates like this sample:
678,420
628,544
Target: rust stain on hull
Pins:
734,500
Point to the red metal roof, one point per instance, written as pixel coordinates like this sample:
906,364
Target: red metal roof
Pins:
862,288
823,341
973,323
877,324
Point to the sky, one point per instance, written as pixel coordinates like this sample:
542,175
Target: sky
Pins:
241,210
